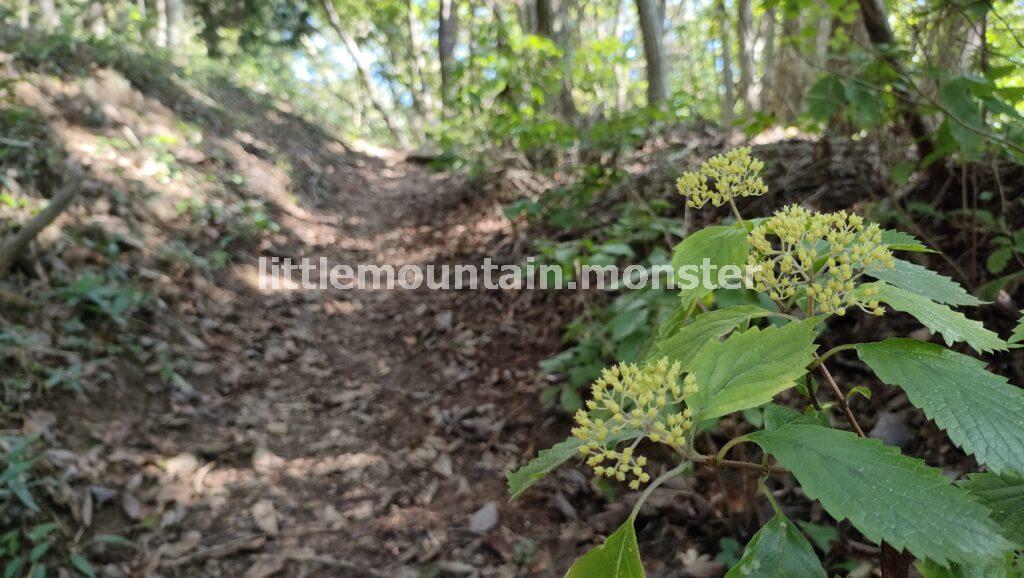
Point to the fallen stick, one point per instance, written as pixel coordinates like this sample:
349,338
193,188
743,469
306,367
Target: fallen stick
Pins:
14,246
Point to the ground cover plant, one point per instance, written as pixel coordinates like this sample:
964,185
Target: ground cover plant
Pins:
641,420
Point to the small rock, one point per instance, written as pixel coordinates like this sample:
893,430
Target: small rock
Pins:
891,429
277,428
443,466
484,519
443,321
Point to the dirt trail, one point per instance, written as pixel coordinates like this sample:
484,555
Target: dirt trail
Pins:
368,435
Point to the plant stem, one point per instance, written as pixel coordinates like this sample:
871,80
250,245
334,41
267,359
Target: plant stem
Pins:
840,398
821,359
676,471
736,211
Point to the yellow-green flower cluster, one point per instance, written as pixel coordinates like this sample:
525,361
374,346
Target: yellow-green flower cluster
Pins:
733,174
824,254
627,398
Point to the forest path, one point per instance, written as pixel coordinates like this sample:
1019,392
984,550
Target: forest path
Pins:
362,431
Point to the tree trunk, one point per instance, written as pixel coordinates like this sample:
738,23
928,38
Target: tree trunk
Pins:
877,24
363,63
175,16
48,17
654,51
744,26
789,70
765,92
418,63
728,96
551,24
161,22
621,76
447,29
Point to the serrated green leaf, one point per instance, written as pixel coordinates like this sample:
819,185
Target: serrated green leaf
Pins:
940,318
618,557
926,283
776,416
1003,495
778,550
688,341
720,245
886,495
900,241
749,368
547,460
1018,332
996,567
82,565
980,411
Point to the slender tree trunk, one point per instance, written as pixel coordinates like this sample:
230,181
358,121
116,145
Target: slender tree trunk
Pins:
728,96
551,24
621,77
48,17
654,51
24,9
789,70
161,22
447,29
765,92
418,62
363,63
175,16
877,24
744,26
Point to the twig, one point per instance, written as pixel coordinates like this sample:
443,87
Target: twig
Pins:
13,247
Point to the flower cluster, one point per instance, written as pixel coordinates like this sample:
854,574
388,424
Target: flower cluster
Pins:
631,401
822,253
734,174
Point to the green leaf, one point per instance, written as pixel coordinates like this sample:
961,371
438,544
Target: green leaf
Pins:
540,466
547,460
926,283
41,531
38,551
778,550
1003,495
688,341
900,241
865,107
1018,332
980,411
995,567
998,260
82,565
720,245
825,97
13,567
886,495
956,97
618,557
939,318
749,368
776,416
